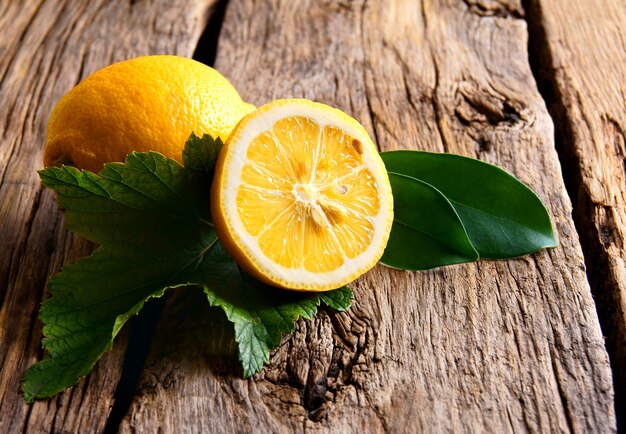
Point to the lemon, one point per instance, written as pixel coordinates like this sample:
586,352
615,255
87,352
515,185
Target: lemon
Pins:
301,198
147,103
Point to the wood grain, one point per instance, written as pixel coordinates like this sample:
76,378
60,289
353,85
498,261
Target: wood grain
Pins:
508,346
581,53
46,47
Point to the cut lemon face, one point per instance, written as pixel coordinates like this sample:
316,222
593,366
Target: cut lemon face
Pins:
300,197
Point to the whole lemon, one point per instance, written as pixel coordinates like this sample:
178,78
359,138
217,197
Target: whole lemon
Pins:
147,103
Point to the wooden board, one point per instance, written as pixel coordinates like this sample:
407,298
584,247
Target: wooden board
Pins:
498,346
581,62
46,47
495,346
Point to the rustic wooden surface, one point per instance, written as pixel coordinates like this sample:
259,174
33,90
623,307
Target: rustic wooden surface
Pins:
495,346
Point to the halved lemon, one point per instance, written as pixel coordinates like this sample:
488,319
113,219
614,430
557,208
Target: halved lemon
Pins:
301,199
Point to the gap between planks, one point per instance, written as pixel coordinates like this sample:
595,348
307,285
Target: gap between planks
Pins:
606,279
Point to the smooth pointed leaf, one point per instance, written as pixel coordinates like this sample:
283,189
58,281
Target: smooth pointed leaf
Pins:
426,231
503,217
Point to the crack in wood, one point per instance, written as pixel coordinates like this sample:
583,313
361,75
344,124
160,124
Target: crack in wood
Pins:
593,211
142,328
206,48
478,106
563,397
319,386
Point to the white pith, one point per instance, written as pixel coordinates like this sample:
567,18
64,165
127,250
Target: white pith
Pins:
234,162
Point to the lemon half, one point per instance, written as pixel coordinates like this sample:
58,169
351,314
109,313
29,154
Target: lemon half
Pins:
300,198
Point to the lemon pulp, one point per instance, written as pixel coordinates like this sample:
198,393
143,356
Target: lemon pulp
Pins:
309,206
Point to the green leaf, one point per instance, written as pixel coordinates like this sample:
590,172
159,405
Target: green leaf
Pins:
502,216
426,231
151,217
262,315
152,221
87,310
201,153
127,204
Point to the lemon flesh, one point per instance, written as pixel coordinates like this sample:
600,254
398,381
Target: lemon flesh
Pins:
301,198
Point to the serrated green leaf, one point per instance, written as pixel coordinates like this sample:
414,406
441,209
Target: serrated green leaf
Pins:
262,315
81,324
502,216
201,153
152,218
339,299
152,221
427,232
127,204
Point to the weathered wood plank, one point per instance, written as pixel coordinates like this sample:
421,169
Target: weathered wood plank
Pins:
46,47
581,53
495,346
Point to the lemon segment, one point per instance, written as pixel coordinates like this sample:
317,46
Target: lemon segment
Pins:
300,196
